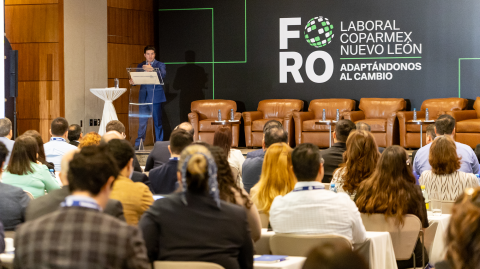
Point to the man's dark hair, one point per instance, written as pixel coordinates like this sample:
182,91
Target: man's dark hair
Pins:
444,125
179,140
275,135
115,125
3,154
149,48
122,151
187,126
5,127
90,169
24,153
306,161
59,126
74,132
272,123
343,129
362,126
431,131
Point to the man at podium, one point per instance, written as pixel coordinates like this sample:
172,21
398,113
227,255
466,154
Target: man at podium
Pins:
150,94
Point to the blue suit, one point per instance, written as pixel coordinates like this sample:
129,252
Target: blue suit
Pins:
151,94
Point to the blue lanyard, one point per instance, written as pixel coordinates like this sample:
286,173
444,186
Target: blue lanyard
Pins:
309,188
58,139
80,203
174,159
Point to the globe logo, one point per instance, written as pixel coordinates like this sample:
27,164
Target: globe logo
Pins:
318,32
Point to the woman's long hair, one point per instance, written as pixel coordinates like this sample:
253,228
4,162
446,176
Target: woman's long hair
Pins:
24,152
225,178
463,233
277,178
360,159
41,152
390,188
223,139
443,157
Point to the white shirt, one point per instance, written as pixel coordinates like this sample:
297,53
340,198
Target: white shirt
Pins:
317,212
236,159
9,144
55,149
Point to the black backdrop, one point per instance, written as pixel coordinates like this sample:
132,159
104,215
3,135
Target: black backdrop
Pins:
447,32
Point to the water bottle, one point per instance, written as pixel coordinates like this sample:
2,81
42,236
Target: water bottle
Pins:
425,195
219,115
323,115
414,114
426,114
116,83
231,114
52,173
338,115
333,188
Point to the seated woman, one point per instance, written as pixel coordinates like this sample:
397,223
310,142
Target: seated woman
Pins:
90,139
25,171
41,151
360,160
195,225
223,139
277,177
444,179
462,238
232,193
391,191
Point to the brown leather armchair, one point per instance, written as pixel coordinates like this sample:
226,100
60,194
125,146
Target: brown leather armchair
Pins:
410,134
204,112
306,131
381,115
467,129
273,109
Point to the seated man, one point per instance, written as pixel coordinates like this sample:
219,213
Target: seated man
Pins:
333,156
309,208
6,134
116,125
268,124
134,196
445,125
163,178
13,200
57,146
429,137
252,167
74,134
84,237
51,202
160,153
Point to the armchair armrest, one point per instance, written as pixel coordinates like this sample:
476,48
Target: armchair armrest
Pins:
250,116
354,115
193,118
403,118
237,116
299,117
463,115
392,129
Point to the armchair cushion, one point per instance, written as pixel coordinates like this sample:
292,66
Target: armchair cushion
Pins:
468,126
381,108
206,125
437,106
279,108
330,105
208,109
377,125
257,125
310,126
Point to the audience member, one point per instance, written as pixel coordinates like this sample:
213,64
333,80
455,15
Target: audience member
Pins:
57,146
160,153
445,126
223,139
84,237
333,156
276,178
13,200
41,151
171,227
134,196
116,125
269,124
232,193
51,202
429,137
74,134
444,179
309,208
6,136
360,160
2,240
333,255
164,177
463,231
24,171
90,139
252,167
391,191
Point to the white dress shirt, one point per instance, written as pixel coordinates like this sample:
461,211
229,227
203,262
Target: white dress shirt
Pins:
317,211
9,144
55,149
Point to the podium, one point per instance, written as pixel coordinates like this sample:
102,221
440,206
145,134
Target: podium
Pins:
140,107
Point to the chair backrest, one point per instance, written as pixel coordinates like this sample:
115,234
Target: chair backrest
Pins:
439,105
279,108
300,245
330,105
263,219
404,238
30,195
185,265
430,236
208,109
381,108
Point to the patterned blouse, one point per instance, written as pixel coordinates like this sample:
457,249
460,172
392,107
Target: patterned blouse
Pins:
450,186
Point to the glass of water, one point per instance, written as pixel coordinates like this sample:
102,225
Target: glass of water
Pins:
436,202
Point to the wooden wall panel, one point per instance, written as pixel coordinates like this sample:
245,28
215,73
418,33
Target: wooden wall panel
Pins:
33,61
32,23
29,2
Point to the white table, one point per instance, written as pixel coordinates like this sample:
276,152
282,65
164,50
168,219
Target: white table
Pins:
438,247
292,262
108,95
